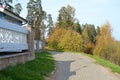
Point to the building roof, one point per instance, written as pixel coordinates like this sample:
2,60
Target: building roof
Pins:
12,14
16,15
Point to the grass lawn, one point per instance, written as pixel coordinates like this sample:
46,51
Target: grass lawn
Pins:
112,66
37,69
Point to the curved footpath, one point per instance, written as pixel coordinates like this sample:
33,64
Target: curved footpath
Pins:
71,66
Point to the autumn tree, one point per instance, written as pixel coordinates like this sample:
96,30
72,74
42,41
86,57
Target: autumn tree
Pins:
71,41
89,37
55,37
115,57
86,40
105,42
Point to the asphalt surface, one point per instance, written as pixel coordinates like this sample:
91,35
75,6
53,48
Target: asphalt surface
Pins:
72,66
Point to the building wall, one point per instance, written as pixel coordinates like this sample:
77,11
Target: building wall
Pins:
11,60
13,37
11,25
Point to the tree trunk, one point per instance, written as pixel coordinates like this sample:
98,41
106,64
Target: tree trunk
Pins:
37,45
30,40
43,44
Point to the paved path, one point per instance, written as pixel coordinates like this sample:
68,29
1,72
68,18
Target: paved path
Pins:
71,66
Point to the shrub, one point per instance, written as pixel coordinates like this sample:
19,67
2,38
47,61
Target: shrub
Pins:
89,47
55,37
72,41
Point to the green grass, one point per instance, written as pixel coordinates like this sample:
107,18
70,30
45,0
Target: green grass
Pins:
37,69
112,66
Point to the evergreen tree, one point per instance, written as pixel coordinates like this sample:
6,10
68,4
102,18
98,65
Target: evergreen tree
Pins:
92,33
89,37
18,8
77,27
66,17
50,24
35,17
98,30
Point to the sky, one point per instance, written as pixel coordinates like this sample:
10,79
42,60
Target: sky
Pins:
87,11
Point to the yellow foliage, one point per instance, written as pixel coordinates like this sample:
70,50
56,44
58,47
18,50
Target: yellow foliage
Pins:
88,48
72,41
55,37
88,45
65,39
105,42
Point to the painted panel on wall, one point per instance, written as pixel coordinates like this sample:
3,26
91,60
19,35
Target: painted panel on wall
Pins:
9,36
13,38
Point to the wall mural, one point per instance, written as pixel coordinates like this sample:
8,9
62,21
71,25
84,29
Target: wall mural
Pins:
9,36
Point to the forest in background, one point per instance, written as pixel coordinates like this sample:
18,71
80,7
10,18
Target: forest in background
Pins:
69,35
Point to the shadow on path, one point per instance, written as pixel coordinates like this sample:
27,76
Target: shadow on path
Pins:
63,72
70,66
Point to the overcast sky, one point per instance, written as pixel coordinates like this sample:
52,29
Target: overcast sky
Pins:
87,11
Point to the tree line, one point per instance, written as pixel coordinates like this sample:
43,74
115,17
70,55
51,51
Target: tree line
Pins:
69,35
